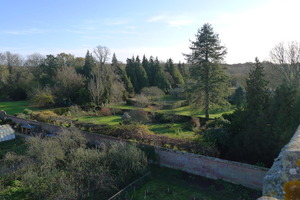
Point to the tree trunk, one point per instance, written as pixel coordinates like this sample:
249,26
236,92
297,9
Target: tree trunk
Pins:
206,108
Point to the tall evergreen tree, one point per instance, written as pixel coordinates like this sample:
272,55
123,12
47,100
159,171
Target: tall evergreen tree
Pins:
151,72
256,91
123,76
183,70
141,75
89,65
210,80
159,76
174,72
130,71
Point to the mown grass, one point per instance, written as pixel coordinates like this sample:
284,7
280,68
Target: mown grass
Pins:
175,130
172,184
109,120
188,111
13,107
185,110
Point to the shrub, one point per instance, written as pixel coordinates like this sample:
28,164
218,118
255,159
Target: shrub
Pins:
43,99
60,168
104,112
139,115
195,122
177,92
152,92
75,110
46,116
141,100
27,111
60,111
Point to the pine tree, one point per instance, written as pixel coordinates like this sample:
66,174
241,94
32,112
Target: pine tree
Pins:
210,80
130,71
174,72
89,65
141,75
123,76
257,94
159,76
146,66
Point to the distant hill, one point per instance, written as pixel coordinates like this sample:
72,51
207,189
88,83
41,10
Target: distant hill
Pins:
239,73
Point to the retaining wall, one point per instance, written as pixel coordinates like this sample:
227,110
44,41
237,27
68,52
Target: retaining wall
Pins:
214,168
283,179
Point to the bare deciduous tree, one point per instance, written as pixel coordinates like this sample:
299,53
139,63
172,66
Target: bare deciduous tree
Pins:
102,53
34,60
287,60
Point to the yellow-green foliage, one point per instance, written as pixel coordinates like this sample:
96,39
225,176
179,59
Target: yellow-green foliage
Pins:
292,190
298,163
46,116
43,99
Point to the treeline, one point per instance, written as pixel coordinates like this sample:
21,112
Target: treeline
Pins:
64,79
264,121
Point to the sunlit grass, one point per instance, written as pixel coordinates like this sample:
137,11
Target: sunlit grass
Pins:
13,107
109,120
175,130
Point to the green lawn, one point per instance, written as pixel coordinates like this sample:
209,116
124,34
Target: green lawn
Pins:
187,111
167,184
176,130
109,120
13,107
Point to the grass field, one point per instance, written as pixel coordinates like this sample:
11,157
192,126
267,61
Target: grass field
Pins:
167,184
13,107
175,130
109,120
185,110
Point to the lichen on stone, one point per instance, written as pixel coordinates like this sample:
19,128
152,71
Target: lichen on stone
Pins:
298,163
292,190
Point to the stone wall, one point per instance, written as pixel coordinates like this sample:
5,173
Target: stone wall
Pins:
283,179
214,168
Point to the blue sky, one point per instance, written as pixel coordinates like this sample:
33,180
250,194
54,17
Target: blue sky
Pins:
158,28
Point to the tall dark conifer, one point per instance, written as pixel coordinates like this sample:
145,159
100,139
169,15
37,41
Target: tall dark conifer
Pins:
210,80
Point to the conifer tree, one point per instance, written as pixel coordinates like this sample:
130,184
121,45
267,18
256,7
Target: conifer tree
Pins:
89,65
130,71
159,76
141,75
210,81
257,94
174,72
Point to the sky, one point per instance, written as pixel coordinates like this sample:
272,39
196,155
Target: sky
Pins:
159,28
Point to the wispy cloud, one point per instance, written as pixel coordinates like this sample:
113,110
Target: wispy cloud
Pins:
31,31
173,21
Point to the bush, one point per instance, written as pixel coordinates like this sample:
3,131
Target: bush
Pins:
27,111
43,99
75,110
141,101
152,92
139,115
60,168
177,92
46,116
104,112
